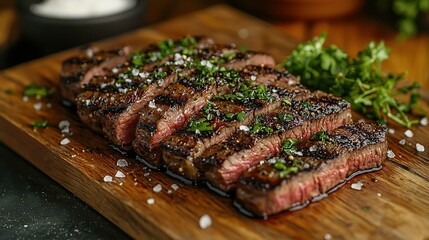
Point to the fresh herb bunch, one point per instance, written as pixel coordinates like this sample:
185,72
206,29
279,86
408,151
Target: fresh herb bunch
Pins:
359,80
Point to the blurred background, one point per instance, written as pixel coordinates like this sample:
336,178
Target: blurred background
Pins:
26,34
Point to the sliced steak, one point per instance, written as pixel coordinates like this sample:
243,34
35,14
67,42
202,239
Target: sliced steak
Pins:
171,110
219,120
78,70
315,167
223,163
112,106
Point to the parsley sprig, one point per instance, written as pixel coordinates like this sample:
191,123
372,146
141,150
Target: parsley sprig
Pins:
359,80
285,169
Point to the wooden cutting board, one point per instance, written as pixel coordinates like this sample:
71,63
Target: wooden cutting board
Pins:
393,204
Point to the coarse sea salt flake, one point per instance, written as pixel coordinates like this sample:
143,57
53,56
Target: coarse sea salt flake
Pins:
152,104
402,141
253,78
25,99
378,194
424,121
357,185
391,131
174,186
244,128
119,174
390,154
205,221
328,236
157,188
65,141
63,124
150,201
107,178
409,133
420,148
121,183
37,106
122,163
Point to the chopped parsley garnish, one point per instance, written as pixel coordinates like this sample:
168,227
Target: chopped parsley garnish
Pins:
9,91
137,58
285,117
229,55
240,116
359,80
289,146
285,169
200,125
246,93
40,124
306,104
209,111
321,136
34,90
259,127
286,102
188,41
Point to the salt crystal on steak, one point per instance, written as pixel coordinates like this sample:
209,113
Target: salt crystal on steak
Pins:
150,201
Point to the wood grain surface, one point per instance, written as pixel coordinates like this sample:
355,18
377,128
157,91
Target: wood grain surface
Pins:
393,204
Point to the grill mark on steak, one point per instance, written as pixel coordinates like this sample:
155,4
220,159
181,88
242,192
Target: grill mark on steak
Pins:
165,117
283,182
182,148
263,137
79,70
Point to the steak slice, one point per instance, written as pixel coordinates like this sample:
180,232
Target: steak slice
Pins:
112,106
219,120
171,110
318,165
79,70
223,163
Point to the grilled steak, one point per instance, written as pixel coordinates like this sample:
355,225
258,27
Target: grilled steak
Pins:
171,110
311,168
78,70
219,120
112,107
222,164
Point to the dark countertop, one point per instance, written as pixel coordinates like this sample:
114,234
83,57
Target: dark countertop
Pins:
33,206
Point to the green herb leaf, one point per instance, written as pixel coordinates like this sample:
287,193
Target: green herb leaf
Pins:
200,125
260,128
9,91
40,124
241,116
285,117
285,169
34,90
289,146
